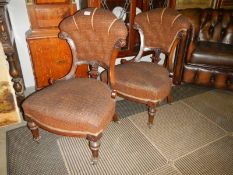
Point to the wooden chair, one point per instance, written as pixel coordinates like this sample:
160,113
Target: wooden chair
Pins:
161,30
80,107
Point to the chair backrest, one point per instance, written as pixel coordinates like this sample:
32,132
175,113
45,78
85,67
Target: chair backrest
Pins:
161,27
94,33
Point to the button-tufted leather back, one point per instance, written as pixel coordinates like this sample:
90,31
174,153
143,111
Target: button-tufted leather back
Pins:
212,25
94,32
161,27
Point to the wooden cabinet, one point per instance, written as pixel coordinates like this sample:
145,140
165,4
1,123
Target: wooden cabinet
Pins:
51,57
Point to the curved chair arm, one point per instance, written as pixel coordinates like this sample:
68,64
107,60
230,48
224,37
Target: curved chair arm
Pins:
111,73
71,73
142,45
184,37
173,54
75,60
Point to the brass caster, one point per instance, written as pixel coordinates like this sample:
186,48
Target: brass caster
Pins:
149,125
37,140
94,160
118,121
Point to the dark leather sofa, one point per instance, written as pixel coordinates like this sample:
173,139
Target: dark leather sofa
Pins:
209,59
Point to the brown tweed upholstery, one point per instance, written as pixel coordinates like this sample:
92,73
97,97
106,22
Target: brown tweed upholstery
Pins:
71,106
97,25
161,26
143,80
161,30
77,106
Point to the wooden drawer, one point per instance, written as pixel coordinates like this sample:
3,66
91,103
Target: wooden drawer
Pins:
49,16
51,59
51,1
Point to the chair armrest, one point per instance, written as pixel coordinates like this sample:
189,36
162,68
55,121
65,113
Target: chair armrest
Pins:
141,50
71,73
111,73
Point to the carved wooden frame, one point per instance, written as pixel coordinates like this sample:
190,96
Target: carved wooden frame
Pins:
180,44
183,38
76,62
94,140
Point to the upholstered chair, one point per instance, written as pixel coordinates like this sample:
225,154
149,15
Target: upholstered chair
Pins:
80,107
161,30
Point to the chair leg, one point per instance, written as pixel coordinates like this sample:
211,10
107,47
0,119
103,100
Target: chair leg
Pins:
35,131
151,114
169,98
94,71
94,145
115,118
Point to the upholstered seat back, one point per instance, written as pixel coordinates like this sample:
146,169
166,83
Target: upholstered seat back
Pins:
164,26
212,25
94,32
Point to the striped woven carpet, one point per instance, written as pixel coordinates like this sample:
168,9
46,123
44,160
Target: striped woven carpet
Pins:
191,136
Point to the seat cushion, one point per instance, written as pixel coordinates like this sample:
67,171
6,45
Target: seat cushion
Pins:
82,106
215,54
142,80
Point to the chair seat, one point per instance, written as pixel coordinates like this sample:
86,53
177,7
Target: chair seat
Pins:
142,80
83,106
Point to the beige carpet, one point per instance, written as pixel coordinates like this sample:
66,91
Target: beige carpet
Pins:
124,150
168,169
178,129
216,105
216,158
185,139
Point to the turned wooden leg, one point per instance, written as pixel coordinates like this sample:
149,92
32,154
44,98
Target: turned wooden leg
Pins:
94,145
151,114
18,84
155,58
35,131
113,95
169,98
115,118
94,71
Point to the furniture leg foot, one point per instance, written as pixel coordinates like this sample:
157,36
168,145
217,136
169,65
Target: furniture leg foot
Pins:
116,118
35,131
94,145
94,160
151,114
169,98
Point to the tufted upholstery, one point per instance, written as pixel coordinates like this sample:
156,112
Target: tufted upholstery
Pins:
219,54
77,106
72,107
210,55
212,25
94,30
